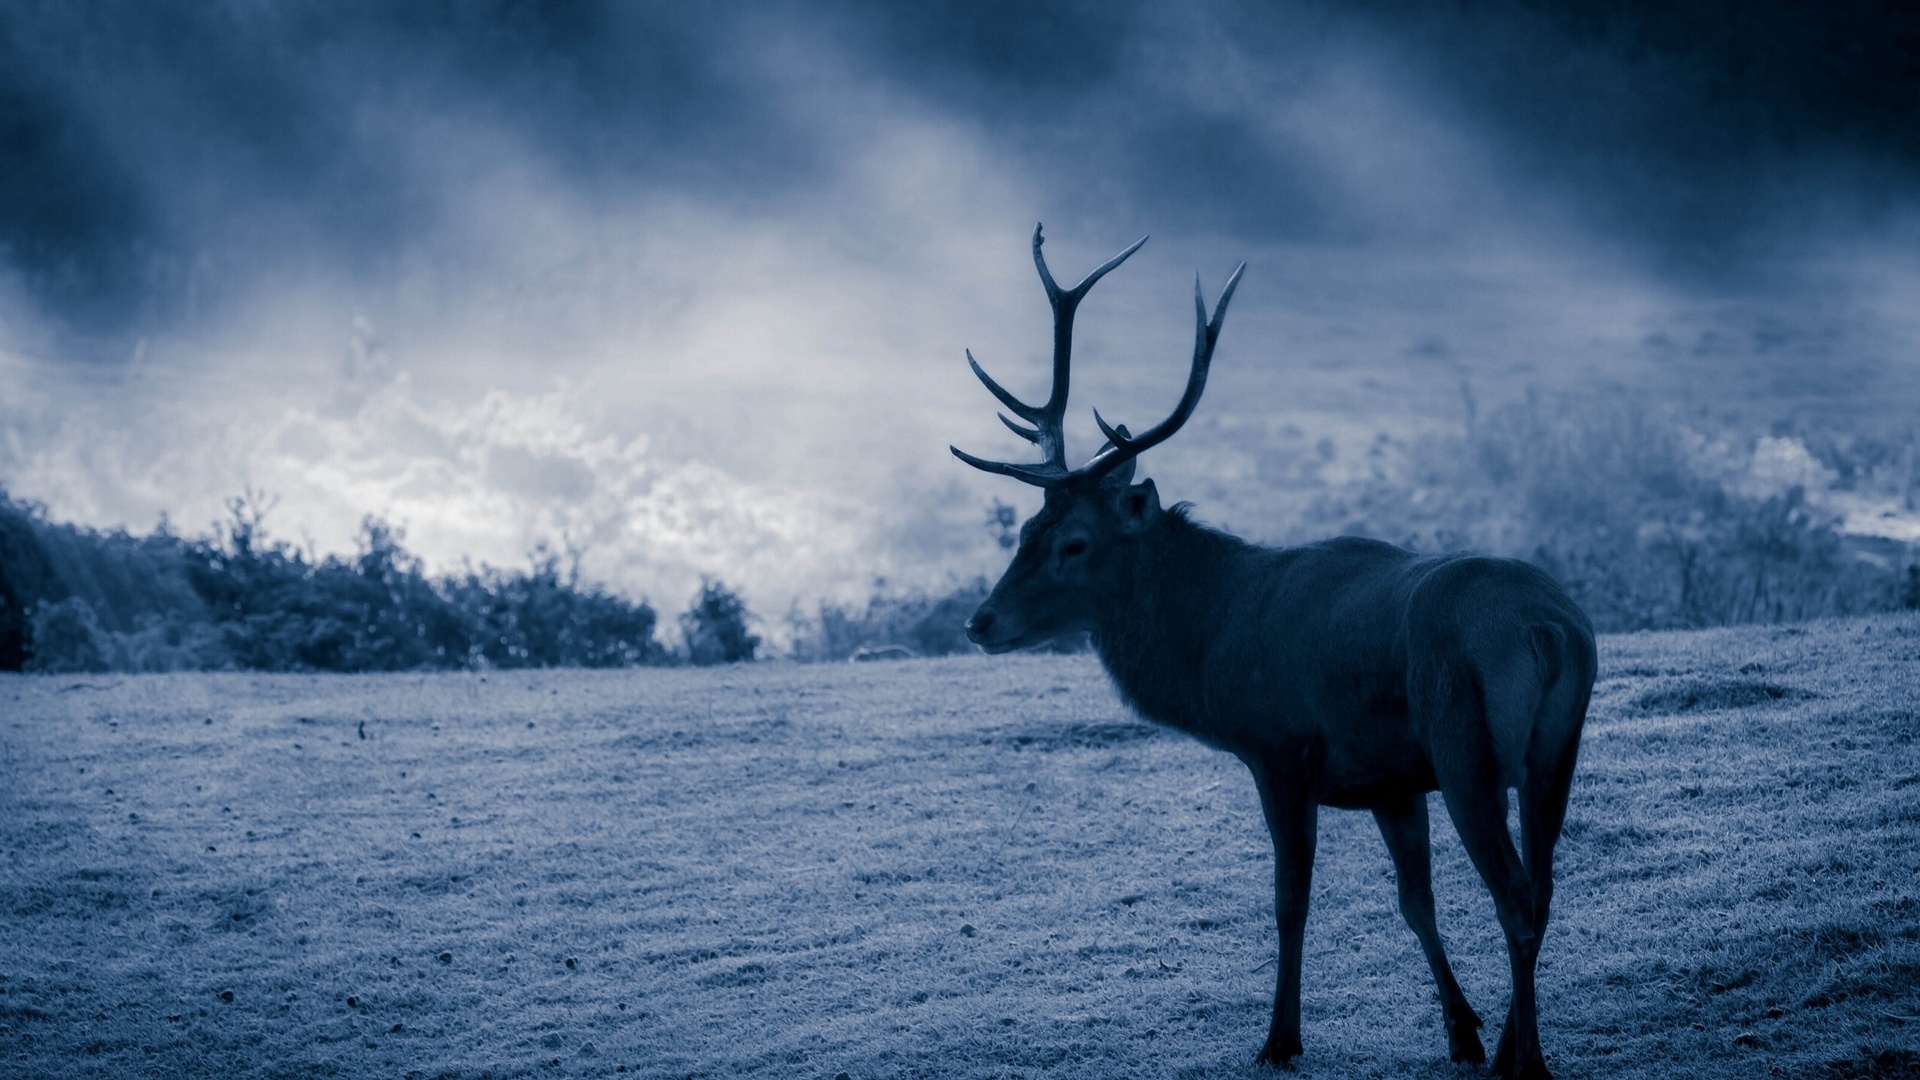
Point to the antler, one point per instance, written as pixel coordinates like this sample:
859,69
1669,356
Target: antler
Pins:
1049,420
1205,332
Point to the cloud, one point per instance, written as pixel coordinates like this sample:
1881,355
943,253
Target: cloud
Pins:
164,161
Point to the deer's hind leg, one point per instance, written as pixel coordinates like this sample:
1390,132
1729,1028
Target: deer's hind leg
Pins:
1468,768
1479,815
1542,812
1543,794
1403,825
1551,756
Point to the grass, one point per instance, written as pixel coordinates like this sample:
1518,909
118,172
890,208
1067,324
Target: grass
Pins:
966,867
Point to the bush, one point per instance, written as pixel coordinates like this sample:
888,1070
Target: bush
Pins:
716,626
544,618
67,638
24,581
238,600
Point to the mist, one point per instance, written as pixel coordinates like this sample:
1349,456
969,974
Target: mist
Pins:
688,292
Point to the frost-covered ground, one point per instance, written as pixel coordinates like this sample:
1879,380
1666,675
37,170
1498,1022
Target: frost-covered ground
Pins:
970,867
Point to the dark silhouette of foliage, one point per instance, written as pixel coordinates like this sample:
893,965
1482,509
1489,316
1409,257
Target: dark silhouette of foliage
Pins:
67,638
26,580
81,600
546,618
716,626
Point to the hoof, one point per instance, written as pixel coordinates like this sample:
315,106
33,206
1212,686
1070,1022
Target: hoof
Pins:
1280,1052
1463,1040
1503,1054
1464,1046
1535,1069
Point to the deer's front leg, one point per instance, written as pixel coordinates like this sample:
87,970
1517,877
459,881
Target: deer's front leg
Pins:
1292,819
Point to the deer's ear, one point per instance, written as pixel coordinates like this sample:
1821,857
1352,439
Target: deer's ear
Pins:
1138,504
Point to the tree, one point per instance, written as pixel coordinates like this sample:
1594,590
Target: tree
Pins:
716,626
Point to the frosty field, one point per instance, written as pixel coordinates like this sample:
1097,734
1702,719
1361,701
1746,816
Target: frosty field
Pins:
970,867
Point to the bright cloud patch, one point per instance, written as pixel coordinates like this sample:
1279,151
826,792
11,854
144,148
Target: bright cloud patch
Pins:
495,479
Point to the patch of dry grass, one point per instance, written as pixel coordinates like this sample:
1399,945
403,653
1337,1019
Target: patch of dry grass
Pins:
968,867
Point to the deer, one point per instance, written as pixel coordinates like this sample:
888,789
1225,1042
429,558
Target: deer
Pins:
1348,673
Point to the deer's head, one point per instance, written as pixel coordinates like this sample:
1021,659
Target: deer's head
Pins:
1077,549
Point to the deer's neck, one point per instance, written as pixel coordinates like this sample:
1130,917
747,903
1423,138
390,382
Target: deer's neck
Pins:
1157,629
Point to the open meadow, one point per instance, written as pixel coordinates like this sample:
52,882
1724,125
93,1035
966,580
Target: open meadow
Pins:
968,867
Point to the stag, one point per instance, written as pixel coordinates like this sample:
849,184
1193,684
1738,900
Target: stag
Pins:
1348,673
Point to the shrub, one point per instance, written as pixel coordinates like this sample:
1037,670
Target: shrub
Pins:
67,638
544,618
25,580
716,626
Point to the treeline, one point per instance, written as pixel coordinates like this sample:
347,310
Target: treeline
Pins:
76,599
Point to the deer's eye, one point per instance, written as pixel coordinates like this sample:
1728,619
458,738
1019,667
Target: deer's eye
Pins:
1073,547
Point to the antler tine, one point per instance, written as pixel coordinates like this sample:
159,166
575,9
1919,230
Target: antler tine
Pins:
1040,475
1206,332
1065,303
1054,292
1019,408
1026,433
1049,420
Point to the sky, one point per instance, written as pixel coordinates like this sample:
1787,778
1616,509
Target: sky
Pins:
685,287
